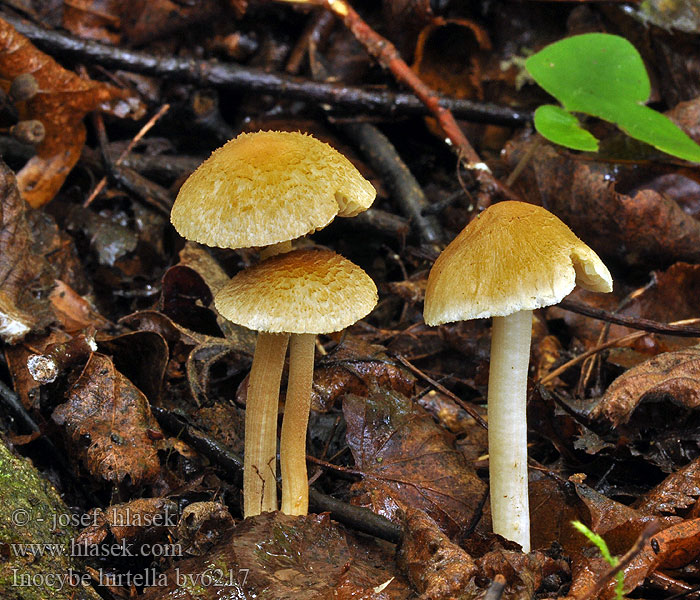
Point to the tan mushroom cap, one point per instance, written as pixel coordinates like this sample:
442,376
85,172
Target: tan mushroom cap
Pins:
514,256
268,187
304,291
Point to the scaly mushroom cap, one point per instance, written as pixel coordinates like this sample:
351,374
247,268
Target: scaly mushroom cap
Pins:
268,187
304,291
514,256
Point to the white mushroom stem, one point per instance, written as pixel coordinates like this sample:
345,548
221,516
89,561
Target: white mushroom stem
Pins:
260,459
295,487
507,397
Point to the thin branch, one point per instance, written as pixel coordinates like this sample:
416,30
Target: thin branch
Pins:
631,322
211,73
143,131
621,341
469,408
406,190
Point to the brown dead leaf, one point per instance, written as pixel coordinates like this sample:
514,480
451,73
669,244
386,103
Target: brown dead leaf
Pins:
73,311
669,377
356,367
678,491
677,545
61,104
109,424
670,295
185,299
673,547
437,568
620,526
408,460
26,277
158,18
524,573
287,558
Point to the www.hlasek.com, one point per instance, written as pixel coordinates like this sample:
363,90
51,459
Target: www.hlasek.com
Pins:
211,577
122,549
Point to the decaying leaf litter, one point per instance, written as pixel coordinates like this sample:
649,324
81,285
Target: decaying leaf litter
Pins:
140,431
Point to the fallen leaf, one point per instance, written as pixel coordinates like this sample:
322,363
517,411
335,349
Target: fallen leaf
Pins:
449,54
202,526
356,367
73,311
27,388
438,568
61,104
287,558
26,277
678,491
407,460
99,20
109,424
669,377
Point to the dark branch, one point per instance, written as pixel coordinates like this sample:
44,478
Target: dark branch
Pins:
359,518
631,322
212,73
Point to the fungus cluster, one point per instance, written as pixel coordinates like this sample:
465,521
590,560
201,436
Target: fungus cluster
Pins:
514,258
266,189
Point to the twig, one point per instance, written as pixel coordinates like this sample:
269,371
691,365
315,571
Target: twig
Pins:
319,26
407,191
228,75
496,588
361,519
143,131
625,560
666,583
631,322
388,56
621,341
15,408
438,386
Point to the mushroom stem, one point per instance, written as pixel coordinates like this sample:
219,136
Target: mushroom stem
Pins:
275,249
507,399
295,487
260,459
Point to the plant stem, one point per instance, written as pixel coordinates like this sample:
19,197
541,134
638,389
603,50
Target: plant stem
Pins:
507,399
295,487
260,460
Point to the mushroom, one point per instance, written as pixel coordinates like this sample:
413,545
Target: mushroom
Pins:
513,258
268,187
303,293
265,189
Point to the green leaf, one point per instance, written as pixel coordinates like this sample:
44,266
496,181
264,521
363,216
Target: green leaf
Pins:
561,127
603,76
591,73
